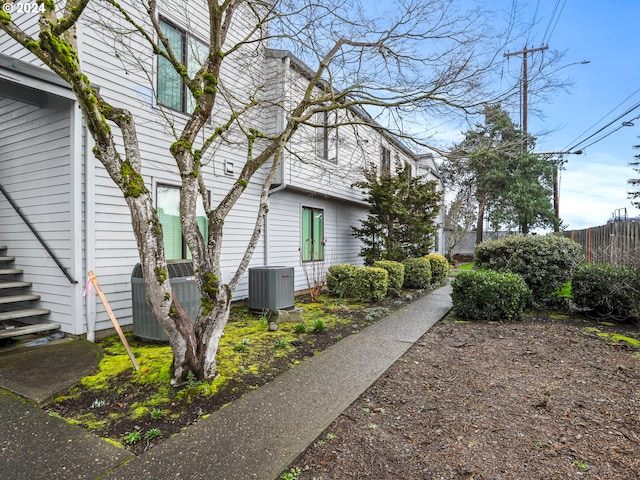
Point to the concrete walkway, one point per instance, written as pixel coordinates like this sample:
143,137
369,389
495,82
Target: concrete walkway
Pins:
257,436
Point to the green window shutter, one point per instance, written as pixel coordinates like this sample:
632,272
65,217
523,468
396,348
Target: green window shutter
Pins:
168,202
306,234
312,234
172,236
318,234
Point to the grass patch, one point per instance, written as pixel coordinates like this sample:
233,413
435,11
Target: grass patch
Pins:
614,337
465,266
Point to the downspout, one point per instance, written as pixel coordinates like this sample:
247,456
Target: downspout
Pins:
76,195
286,62
89,229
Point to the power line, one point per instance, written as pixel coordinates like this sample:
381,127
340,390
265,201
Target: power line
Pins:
602,118
533,22
551,29
627,123
637,105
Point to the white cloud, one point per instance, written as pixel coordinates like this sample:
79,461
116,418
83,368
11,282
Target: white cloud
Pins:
590,192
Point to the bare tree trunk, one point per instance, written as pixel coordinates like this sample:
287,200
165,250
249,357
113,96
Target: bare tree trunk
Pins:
480,223
209,332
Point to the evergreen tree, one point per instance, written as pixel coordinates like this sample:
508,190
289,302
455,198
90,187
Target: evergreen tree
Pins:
512,188
526,202
635,182
401,220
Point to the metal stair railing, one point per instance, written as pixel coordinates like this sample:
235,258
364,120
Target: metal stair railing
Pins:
26,221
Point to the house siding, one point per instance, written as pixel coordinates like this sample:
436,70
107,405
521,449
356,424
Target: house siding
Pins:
35,171
95,213
285,235
115,250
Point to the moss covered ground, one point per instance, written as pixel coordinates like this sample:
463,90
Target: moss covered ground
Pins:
138,409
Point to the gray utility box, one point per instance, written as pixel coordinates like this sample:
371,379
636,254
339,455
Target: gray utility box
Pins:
183,282
271,288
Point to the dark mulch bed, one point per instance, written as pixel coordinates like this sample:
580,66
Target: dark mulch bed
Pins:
539,399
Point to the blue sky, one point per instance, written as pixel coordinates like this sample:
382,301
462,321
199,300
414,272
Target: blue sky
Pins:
593,184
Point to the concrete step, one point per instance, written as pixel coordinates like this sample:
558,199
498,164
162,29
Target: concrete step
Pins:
10,271
19,298
7,285
27,312
7,259
28,330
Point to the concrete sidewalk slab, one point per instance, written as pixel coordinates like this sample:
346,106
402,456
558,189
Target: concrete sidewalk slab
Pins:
37,446
260,434
40,373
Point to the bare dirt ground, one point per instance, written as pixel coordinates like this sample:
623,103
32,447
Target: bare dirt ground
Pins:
537,399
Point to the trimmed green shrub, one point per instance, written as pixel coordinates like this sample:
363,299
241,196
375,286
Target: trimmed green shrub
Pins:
489,295
371,284
341,280
606,290
395,271
546,262
439,268
417,272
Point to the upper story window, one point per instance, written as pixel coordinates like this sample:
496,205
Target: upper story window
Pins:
326,137
322,135
168,204
172,92
385,161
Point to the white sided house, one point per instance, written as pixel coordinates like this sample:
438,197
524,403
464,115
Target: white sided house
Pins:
61,216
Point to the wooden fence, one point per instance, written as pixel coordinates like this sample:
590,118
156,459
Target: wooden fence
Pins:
616,243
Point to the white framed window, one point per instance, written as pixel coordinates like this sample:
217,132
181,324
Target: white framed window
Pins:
172,91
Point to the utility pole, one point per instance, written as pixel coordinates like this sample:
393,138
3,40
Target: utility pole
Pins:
556,179
525,82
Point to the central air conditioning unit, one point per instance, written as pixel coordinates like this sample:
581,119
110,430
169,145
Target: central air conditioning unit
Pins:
271,288
183,283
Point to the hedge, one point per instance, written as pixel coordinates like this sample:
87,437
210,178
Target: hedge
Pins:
546,262
417,272
395,271
439,268
341,280
489,295
606,290
371,284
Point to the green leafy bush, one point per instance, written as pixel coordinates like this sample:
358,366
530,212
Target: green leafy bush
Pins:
545,262
341,280
395,271
606,290
489,295
439,268
371,284
417,272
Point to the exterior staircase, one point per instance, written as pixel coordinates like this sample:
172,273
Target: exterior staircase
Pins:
17,316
